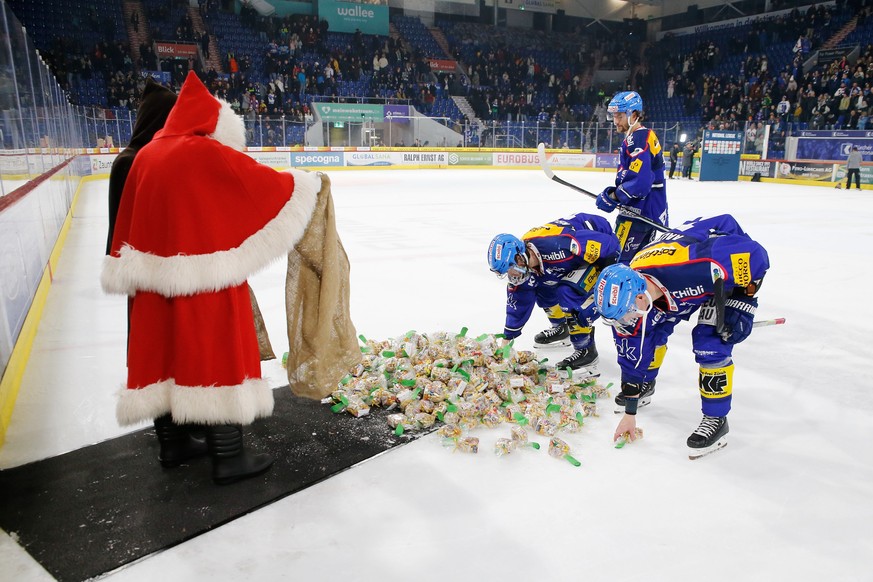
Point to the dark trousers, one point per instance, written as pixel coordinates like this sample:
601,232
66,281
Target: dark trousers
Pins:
853,172
672,167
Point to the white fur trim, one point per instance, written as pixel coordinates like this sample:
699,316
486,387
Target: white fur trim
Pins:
240,404
230,129
181,275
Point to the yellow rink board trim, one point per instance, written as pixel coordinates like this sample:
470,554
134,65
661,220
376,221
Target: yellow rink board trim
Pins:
11,381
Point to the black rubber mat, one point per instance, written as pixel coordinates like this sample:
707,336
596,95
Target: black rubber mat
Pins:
93,510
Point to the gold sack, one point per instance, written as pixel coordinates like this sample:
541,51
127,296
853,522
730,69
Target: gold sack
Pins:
322,342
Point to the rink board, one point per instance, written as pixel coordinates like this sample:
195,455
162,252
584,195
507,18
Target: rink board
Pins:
93,510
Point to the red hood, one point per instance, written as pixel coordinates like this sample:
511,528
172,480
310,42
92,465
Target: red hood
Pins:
196,110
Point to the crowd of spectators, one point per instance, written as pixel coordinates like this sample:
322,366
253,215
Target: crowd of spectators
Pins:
833,95
536,77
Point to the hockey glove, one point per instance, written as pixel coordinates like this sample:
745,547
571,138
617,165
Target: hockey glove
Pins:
605,201
739,316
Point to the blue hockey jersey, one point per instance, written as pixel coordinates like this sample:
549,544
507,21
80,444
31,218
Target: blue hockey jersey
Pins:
639,181
686,263
572,251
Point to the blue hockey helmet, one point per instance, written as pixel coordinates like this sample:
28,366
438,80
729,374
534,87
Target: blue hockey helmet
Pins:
625,102
616,291
502,252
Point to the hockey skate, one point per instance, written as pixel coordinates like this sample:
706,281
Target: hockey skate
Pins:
645,397
558,335
582,362
709,437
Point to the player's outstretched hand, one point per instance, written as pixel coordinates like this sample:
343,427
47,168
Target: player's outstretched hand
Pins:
627,424
605,201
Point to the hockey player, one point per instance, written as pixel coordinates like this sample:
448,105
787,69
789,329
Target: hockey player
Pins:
708,266
555,266
639,183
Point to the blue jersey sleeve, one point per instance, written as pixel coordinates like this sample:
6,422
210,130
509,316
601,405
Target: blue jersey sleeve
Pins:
520,300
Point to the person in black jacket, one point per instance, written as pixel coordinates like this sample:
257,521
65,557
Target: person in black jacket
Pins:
154,108
674,158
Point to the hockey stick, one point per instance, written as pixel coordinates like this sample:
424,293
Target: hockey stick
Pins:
768,322
544,164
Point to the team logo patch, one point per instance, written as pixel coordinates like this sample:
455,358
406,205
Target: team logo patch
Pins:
718,273
574,249
742,269
635,166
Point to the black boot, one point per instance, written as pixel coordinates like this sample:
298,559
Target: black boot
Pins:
177,443
230,462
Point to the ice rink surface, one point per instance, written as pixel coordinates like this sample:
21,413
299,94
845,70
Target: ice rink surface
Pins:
790,498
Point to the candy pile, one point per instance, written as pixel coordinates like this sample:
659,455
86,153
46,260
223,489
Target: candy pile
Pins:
464,383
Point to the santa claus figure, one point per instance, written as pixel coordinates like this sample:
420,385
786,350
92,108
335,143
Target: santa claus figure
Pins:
197,217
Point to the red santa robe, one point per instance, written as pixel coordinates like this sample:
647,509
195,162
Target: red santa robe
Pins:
197,218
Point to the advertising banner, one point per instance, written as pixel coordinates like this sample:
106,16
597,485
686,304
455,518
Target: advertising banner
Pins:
548,6
720,155
175,50
516,159
819,148
349,112
304,159
13,162
101,164
351,16
272,159
606,161
159,76
866,175
470,159
391,111
443,65
571,160
835,133
369,159
822,172
827,56
749,168
425,158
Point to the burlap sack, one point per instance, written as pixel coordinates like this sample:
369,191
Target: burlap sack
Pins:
264,345
322,340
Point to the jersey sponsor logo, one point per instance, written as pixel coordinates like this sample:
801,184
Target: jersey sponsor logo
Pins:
555,256
601,287
549,229
716,382
498,251
635,166
688,292
660,254
592,251
613,294
590,278
742,268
